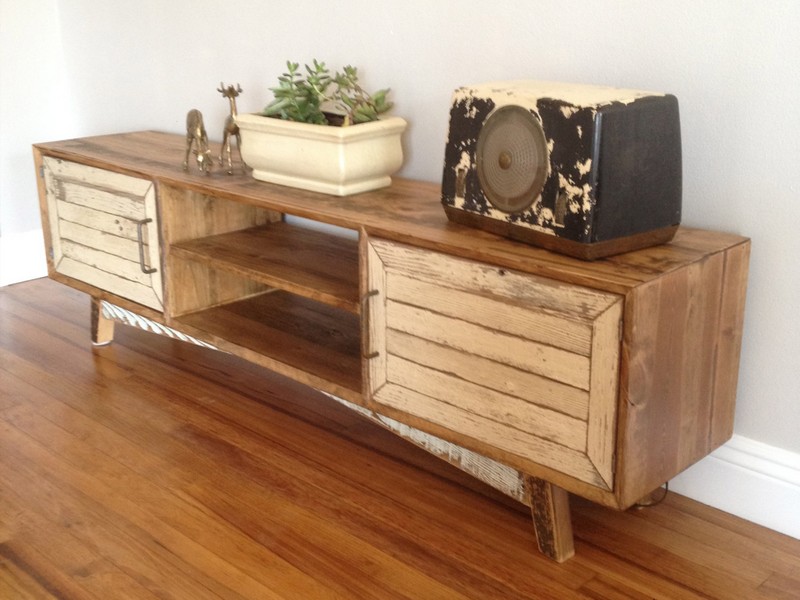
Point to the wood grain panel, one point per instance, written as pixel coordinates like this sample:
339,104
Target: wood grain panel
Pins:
126,288
194,286
516,288
729,344
517,317
111,201
374,299
673,342
189,215
101,221
92,215
105,262
485,404
507,444
460,356
602,422
493,375
97,178
93,238
554,363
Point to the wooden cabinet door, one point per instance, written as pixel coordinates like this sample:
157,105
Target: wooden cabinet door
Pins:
104,230
517,367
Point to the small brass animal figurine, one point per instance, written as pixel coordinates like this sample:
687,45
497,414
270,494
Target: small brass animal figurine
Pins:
196,135
231,128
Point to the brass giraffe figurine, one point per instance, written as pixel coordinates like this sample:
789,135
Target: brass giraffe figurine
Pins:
231,128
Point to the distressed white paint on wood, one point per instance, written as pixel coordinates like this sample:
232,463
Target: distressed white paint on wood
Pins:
557,364
98,178
103,261
485,404
124,248
126,288
51,197
494,438
605,383
101,221
152,242
93,214
375,313
493,375
501,477
565,331
478,278
117,313
514,366
115,203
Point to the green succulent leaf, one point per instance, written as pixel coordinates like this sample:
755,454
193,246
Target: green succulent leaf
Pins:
300,97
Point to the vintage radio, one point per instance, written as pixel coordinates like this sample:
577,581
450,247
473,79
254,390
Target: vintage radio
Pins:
583,170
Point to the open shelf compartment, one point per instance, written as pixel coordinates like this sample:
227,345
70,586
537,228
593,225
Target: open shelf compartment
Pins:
307,262
298,337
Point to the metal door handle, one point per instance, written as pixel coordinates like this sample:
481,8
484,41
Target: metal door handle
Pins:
139,224
364,300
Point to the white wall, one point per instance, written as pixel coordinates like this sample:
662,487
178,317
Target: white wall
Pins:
35,105
732,65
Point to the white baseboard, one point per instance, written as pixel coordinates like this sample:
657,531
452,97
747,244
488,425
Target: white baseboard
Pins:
22,257
749,479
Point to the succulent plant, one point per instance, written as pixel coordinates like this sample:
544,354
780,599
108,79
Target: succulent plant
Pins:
317,96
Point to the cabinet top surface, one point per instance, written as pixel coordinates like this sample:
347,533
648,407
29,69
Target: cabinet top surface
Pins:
407,211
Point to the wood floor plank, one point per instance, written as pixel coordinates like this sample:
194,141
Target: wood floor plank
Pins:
780,586
61,556
25,573
617,575
121,541
708,574
706,532
175,523
172,471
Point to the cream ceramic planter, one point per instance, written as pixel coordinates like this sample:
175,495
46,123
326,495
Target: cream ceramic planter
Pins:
322,158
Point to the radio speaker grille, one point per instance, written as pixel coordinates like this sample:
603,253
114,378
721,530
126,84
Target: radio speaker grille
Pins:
512,159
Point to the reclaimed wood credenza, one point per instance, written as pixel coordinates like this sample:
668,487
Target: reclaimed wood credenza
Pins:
540,374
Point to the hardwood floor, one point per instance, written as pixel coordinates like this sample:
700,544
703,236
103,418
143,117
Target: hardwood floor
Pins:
155,469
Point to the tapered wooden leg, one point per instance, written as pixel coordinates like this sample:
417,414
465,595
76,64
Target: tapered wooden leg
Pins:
102,328
551,519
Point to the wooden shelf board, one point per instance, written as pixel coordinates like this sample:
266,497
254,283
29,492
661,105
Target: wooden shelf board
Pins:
314,264
311,342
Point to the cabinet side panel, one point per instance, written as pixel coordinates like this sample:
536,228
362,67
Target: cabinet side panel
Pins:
188,215
668,373
195,286
730,342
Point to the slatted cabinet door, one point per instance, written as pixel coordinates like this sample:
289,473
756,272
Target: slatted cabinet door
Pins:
104,230
519,368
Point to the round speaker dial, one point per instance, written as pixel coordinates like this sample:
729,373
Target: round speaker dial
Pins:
512,158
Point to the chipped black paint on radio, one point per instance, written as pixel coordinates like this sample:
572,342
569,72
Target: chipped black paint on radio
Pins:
613,164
